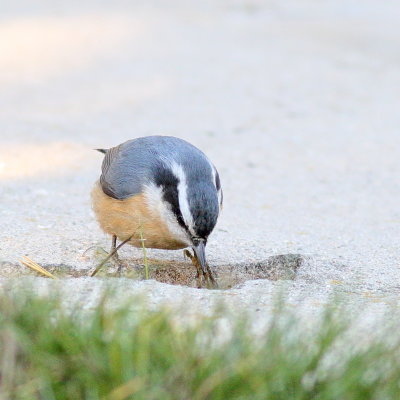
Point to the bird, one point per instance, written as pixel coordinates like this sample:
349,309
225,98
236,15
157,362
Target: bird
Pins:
161,191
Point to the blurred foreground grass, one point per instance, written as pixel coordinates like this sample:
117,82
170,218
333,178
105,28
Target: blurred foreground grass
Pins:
48,353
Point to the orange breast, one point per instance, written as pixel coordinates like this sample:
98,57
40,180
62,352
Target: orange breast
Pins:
132,216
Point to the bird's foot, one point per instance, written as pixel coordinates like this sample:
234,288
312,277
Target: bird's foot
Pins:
195,262
206,276
119,264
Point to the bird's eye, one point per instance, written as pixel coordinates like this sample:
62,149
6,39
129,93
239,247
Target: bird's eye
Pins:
195,241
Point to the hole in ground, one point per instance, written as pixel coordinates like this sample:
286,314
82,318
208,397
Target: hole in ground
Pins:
278,267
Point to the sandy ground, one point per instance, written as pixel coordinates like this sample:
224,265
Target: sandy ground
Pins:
296,103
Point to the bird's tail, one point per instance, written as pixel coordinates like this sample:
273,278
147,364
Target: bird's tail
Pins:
104,151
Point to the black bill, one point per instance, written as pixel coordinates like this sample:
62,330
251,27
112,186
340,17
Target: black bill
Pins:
199,249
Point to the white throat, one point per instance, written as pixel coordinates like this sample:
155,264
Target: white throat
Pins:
158,206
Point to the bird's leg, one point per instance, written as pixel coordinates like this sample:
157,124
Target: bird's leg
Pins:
195,262
210,277
114,246
114,253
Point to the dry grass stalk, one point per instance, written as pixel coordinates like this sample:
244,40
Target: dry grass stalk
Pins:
36,267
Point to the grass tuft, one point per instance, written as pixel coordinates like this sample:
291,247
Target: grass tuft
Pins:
145,260
48,353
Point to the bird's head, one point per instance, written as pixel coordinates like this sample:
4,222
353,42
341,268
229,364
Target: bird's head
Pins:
204,208
194,197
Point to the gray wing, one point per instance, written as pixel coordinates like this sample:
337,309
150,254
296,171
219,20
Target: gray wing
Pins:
121,175
128,167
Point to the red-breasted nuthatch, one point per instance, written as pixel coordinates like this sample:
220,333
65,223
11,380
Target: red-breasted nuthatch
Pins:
162,190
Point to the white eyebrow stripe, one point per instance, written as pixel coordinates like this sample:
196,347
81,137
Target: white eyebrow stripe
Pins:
219,194
219,191
179,173
213,174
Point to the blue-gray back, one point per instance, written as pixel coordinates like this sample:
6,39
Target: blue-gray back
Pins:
127,168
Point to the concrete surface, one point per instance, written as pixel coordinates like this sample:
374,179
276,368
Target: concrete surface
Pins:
296,102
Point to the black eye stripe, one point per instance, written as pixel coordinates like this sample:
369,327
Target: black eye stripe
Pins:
170,194
169,182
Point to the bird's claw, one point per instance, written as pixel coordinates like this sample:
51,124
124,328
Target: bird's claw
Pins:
207,275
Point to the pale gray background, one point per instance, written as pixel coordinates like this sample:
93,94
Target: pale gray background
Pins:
296,102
